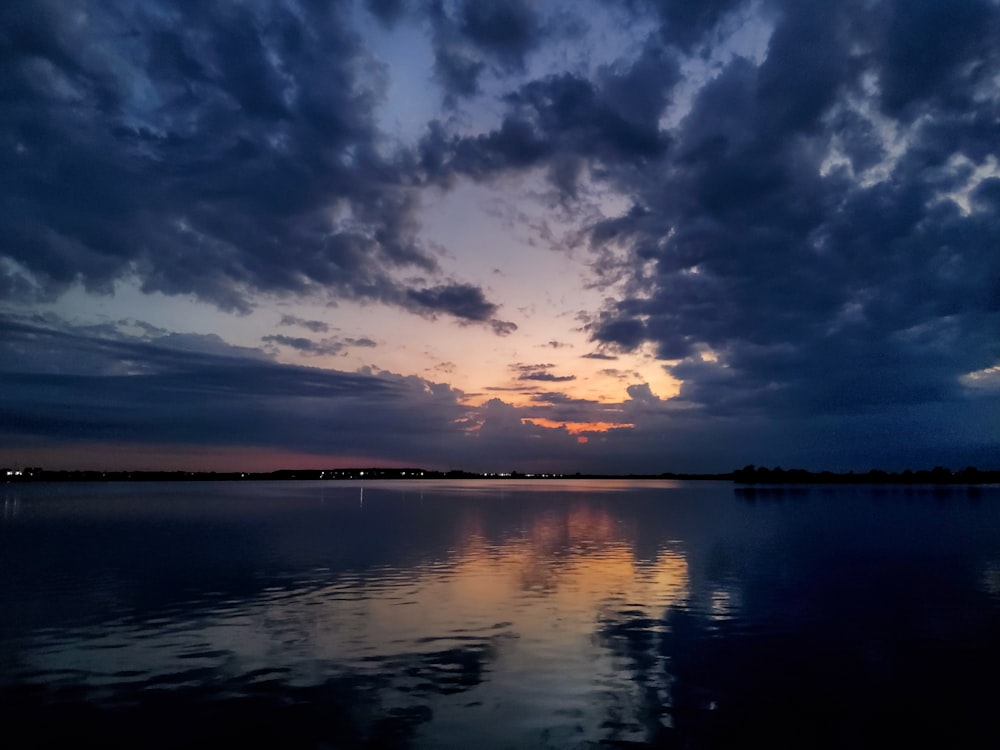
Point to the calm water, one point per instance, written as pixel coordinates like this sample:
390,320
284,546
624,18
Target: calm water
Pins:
513,614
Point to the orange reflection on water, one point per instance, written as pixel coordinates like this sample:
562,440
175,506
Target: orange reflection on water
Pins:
565,570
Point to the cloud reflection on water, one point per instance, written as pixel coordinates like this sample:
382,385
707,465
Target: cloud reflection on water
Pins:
664,614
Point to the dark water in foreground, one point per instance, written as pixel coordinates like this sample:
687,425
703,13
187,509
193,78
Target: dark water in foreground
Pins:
521,615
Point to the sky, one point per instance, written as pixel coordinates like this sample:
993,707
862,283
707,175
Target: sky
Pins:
629,236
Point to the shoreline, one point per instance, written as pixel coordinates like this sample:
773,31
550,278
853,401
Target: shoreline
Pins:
749,475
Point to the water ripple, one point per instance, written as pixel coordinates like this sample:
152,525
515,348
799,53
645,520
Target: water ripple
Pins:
641,617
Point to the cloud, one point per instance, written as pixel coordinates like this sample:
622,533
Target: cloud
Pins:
744,237
221,151
613,372
46,345
507,30
933,50
547,377
462,301
503,327
540,372
329,346
303,344
472,35
827,266
316,326
99,388
87,389
389,12
563,121
802,222
624,333
685,23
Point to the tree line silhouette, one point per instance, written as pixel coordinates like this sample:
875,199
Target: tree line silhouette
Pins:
751,474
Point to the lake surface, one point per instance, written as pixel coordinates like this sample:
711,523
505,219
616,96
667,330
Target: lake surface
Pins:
510,614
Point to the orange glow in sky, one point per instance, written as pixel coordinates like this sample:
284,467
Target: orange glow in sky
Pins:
576,428
93,456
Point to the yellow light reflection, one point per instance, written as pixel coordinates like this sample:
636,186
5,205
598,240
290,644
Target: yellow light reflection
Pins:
580,562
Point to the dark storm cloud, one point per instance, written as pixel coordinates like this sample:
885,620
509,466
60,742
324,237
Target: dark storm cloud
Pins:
934,50
625,333
821,288
45,344
986,196
69,386
389,12
218,150
815,236
461,300
505,28
470,36
565,121
684,23
98,386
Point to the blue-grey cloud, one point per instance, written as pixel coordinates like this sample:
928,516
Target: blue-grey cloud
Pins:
565,121
98,386
328,346
819,288
932,52
107,388
471,36
463,301
685,23
200,149
811,238
389,12
507,29
316,326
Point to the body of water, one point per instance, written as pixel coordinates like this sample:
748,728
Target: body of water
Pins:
511,614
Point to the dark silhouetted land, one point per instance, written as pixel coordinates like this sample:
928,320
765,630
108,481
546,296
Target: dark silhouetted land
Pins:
747,475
